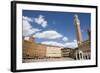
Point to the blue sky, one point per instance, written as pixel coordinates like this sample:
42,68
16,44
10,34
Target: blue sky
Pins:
57,24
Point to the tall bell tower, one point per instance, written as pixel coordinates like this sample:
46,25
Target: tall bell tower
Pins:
78,30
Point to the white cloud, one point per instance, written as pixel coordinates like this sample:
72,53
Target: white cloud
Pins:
41,21
75,40
72,44
65,39
53,43
27,19
51,34
27,28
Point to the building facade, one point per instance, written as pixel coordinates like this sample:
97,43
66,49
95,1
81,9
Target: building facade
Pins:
32,50
66,52
53,52
41,51
29,49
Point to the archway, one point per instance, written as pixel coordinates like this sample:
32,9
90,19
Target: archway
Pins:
79,55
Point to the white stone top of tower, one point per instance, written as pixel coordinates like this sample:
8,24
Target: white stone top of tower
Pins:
76,19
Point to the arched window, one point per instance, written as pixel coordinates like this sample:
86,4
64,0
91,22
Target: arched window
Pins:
86,56
78,56
81,56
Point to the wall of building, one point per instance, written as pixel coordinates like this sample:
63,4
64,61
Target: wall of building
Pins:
84,50
33,50
29,49
41,51
65,52
53,51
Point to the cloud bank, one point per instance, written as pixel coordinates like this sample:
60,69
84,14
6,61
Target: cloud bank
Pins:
40,20
28,30
72,44
50,34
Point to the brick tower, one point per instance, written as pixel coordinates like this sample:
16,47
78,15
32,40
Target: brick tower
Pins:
78,30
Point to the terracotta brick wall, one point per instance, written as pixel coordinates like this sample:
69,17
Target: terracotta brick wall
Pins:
29,49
